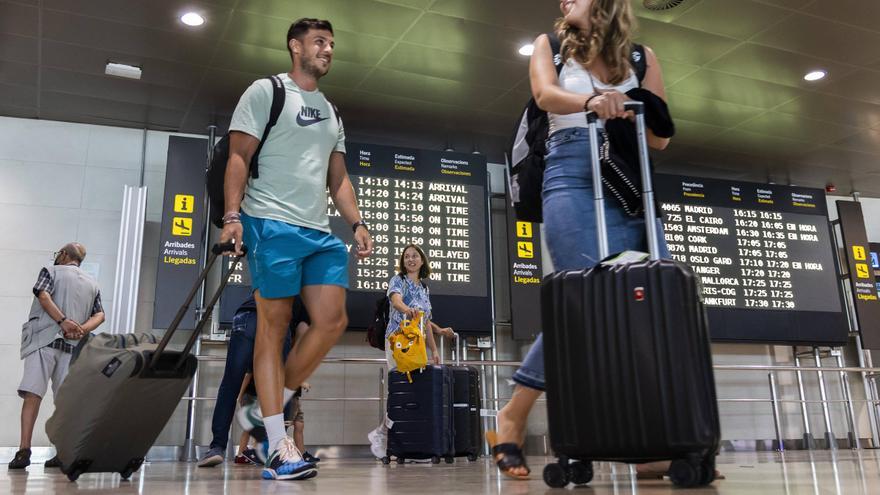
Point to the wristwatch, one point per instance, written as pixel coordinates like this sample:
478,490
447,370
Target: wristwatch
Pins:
359,223
61,320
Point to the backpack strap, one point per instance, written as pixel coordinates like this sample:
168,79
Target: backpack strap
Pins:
556,49
335,112
277,105
639,61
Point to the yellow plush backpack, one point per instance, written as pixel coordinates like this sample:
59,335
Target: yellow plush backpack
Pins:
408,346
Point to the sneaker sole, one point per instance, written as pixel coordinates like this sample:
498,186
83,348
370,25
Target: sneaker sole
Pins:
211,462
270,474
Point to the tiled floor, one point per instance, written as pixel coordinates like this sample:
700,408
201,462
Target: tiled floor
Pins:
793,473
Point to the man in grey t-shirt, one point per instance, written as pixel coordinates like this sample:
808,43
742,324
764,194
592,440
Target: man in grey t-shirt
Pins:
283,221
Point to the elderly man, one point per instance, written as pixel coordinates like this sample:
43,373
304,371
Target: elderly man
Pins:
66,307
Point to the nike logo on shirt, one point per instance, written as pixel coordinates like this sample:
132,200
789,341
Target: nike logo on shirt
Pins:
308,116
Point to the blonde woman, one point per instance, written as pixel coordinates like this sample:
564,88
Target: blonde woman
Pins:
596,43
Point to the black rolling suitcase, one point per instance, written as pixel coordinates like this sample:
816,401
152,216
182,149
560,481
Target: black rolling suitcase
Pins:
466,412
629,368
120,392
421,415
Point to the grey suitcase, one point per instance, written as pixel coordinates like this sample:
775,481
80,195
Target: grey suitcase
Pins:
120,392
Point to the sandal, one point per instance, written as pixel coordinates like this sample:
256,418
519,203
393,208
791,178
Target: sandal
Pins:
511,457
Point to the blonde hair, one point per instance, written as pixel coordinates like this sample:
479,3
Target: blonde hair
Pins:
607,38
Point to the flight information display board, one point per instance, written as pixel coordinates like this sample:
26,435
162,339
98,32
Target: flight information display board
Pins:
764,254
436,200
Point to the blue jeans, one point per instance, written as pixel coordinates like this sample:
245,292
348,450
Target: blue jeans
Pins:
239,360
570,225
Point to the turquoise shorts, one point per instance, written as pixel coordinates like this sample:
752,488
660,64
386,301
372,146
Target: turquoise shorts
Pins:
283,258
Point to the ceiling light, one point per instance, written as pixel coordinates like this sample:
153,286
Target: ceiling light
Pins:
815,75
192,19
122,70
527,50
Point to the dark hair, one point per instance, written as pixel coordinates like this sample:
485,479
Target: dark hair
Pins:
424,271
302,26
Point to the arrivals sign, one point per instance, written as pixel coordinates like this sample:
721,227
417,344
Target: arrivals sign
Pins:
183,229
526,271
861,272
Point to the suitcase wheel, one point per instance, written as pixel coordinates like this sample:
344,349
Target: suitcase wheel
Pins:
435,460
386,460
580,473
707,471
133,466
472,457
449,459
686,473
555,476
78,468
401,460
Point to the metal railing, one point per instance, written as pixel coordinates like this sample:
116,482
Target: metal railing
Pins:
775,401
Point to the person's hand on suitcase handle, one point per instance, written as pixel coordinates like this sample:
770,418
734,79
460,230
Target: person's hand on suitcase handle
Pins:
447,332
610,104
232,233
411,313
231,246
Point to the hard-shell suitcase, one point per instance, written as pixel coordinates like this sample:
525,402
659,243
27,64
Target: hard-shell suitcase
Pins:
120,392
466,412
629,368
420,414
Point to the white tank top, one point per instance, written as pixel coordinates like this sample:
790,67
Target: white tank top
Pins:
575,78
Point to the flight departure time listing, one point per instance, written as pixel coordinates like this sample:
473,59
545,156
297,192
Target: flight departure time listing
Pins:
438,217
753,246
435,200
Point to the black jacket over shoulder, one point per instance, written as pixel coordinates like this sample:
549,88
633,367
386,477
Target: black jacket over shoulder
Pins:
620,161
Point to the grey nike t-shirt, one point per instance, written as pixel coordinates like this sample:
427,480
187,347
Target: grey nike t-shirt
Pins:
292,186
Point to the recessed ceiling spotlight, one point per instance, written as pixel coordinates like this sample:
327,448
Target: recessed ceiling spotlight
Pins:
815,75
192,19
122,70
527,50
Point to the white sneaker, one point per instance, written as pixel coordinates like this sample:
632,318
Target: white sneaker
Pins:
378,442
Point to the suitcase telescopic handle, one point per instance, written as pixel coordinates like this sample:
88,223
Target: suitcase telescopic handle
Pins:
227,247
216,251
638,108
